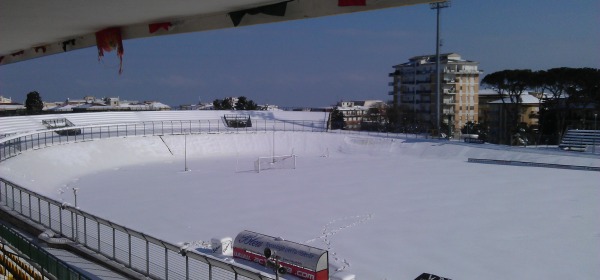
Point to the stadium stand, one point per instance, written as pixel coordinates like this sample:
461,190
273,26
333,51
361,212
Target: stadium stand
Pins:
580,140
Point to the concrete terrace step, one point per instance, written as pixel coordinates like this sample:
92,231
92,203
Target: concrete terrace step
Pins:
579,140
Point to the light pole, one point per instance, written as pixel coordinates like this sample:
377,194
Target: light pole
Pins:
438,6
595,133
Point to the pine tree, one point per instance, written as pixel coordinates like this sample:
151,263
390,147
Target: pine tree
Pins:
34,103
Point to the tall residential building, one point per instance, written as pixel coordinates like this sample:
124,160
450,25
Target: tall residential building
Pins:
414,93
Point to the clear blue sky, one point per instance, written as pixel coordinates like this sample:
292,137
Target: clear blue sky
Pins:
318,62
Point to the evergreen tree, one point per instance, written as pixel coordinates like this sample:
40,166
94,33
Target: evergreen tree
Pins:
244,103
34,103
337,119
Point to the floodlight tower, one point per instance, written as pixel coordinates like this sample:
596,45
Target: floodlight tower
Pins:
438,6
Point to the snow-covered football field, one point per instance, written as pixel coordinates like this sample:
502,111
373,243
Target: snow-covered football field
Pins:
384,208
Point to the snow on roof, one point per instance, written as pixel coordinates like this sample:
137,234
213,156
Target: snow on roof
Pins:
11,106
525,98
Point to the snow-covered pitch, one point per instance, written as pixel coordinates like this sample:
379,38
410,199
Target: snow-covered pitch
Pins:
384,208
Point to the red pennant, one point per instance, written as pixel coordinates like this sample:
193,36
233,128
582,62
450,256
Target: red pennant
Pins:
108,40
344,3
158,26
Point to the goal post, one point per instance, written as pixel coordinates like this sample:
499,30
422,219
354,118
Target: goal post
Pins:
275,162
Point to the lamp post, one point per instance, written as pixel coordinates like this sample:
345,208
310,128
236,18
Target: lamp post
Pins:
438,6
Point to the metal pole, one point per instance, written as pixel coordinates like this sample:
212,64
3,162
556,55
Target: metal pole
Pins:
437,71
185,150
76,217
437,6
595,133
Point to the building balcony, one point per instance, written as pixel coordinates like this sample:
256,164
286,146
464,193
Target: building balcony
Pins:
448,112
449,101
461,71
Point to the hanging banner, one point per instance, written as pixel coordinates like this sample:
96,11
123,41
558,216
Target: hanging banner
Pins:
110,39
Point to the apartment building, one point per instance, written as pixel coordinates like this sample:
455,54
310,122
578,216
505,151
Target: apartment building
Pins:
356,112
414,91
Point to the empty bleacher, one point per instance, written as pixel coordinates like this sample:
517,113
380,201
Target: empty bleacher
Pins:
580,140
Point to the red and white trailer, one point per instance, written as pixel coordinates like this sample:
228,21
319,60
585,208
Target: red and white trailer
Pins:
297,259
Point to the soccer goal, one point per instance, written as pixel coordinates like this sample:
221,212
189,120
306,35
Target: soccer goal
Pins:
275,162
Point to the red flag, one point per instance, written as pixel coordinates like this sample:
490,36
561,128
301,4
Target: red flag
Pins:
108,40
158,26
344,3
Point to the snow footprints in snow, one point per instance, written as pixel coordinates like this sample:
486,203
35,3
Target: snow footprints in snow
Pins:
334,227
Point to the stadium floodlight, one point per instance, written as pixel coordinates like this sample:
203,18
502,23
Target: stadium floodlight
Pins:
438,6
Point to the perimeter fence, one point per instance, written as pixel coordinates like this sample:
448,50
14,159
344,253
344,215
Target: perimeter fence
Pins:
15,144
147,255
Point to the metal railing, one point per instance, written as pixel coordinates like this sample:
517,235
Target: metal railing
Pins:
152,257
45,261
147,255
15,144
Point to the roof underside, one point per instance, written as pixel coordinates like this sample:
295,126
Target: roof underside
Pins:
33,28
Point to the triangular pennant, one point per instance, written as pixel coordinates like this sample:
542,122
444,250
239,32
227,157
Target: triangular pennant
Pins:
158,26
277,9
344,3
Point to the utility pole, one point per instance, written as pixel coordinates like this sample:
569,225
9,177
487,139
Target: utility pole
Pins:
438,6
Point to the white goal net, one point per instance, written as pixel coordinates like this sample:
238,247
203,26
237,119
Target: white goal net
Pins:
275,162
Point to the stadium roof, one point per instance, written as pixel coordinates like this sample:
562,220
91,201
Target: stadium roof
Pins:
33,28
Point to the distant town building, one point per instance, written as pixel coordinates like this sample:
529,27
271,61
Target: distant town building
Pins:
4,100
357,112
199,106
7,107
414,91
492,110
90,103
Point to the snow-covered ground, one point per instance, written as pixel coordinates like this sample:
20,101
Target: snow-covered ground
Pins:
384,208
